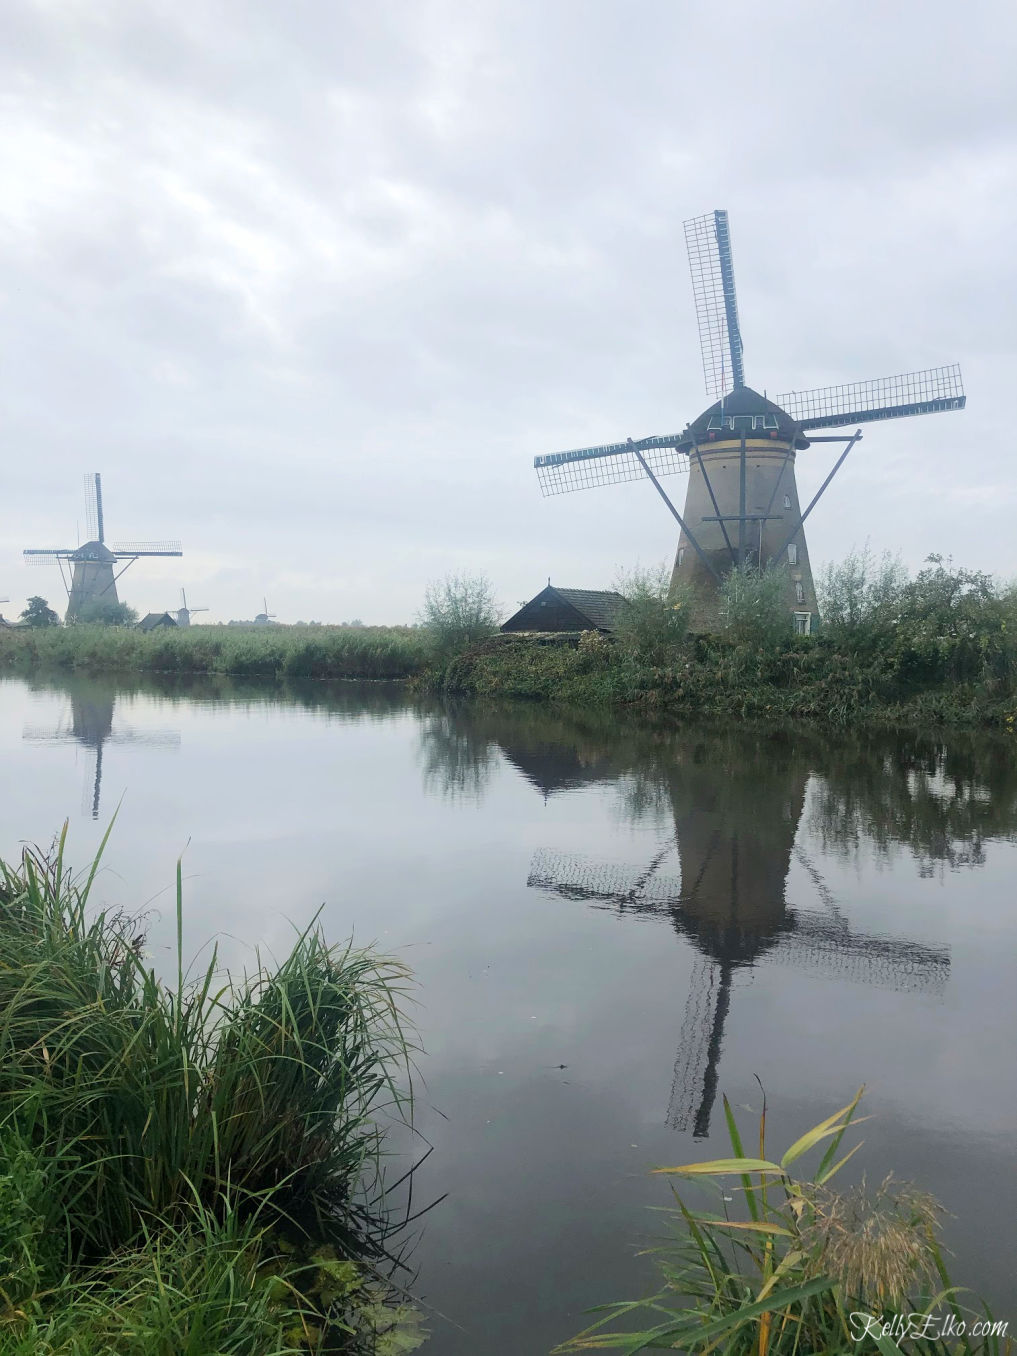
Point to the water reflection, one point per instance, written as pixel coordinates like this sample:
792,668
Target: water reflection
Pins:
731,806
88,721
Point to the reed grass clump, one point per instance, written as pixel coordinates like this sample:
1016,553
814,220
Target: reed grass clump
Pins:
182,1167
796,1267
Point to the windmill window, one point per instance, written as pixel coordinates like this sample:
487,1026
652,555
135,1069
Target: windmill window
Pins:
681,556
792,554
799,593
787,501
803,623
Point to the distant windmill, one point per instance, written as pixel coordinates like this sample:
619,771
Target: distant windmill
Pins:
741,505
185,613
263,618
91,727
96,567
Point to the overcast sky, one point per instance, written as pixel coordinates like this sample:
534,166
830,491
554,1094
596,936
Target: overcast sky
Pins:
312,282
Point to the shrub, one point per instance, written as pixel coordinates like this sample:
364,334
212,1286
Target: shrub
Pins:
860,589
458,611
754,605
653,622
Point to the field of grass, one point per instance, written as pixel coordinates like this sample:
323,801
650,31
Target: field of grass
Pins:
269,652
194,1167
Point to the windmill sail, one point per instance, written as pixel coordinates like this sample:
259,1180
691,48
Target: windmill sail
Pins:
930,391
708,239
93,507
610,464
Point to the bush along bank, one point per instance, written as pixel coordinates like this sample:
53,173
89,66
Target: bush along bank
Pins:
190,1168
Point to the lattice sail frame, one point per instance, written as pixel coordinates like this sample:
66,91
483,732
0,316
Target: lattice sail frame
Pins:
929,391
611,464
708,239
147,548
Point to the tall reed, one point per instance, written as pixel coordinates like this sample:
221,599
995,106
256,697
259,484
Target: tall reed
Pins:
798,1268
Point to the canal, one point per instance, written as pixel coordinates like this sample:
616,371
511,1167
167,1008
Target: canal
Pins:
610,925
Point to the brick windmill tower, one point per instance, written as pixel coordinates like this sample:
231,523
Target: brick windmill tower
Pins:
742,509
94,568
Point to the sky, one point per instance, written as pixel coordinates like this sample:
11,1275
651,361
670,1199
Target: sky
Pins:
312,283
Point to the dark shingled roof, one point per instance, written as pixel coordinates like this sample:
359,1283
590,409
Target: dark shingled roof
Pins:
743,400
600,605
154,619
555,610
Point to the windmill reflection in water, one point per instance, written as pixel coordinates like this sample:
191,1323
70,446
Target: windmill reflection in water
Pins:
734,839
88,721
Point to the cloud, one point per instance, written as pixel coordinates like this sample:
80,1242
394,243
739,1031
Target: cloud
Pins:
312,284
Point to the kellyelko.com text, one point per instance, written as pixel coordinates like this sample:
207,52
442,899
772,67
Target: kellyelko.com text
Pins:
898,1326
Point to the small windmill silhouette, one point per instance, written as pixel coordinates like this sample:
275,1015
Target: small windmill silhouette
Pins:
185,613
95,567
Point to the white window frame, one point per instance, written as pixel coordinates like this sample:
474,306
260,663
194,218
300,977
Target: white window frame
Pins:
787,501
803,623
792,553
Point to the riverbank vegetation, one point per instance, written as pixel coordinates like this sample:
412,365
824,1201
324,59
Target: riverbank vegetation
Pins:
936,649
939,648
783,1265
264,652
191,1167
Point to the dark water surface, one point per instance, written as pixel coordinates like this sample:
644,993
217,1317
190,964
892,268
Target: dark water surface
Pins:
666,914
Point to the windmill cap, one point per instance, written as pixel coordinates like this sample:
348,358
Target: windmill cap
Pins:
94,550
744,410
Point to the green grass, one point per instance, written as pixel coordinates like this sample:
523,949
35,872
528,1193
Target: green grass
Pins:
797,1267
270,652
192,1167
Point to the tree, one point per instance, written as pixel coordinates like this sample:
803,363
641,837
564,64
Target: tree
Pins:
106,612
39,613
458,611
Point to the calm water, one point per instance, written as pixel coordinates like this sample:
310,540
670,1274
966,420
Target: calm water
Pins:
610,926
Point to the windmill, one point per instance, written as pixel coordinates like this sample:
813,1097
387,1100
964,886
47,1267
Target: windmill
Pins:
263,618
741,505
90,726
95,567
185,613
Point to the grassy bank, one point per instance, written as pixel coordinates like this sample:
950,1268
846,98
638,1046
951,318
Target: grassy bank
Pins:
269,652
817,679
189,1168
